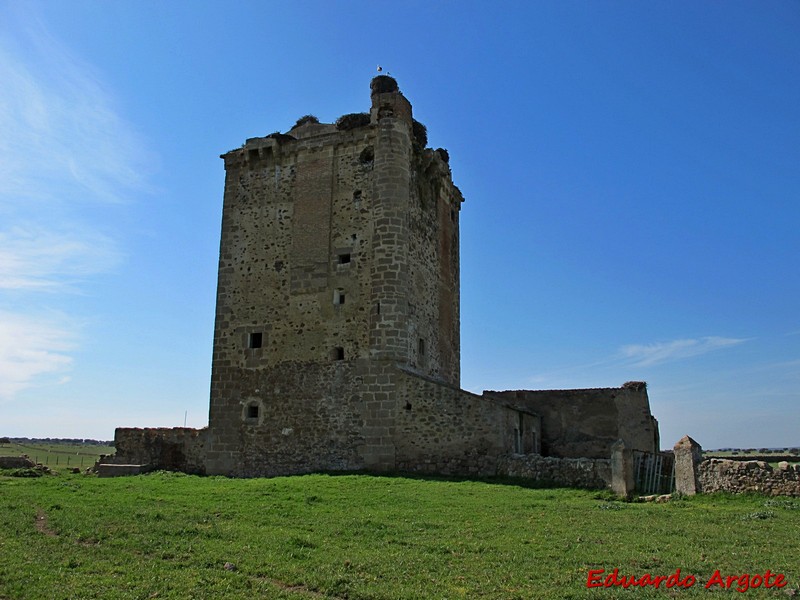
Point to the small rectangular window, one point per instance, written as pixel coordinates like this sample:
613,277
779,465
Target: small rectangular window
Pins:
337,353
252,411
421,347
344,259
255,340
338,296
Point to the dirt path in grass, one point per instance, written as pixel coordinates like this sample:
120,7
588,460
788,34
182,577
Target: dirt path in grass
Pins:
41,524
298,589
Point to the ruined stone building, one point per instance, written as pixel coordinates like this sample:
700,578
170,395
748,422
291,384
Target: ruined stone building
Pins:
336,343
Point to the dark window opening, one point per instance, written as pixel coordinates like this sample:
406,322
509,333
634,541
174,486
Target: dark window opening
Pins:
337,353
344,258
519,435
338,296
252,411
255,340
378,308
367,156
421,347
357,195
253,154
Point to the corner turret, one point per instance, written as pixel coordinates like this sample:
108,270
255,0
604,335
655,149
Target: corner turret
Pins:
388,100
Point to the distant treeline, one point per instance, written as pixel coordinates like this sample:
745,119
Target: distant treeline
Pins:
25,440
758,450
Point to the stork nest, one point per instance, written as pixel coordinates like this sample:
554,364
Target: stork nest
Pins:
352,121
383,84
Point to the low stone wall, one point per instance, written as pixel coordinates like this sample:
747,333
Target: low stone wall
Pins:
171,449
592,473
722,475
16,462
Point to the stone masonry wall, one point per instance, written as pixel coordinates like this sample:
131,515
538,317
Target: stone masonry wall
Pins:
173,449
591,473
433,256
311,417
445,430
16,462
587,422
721,475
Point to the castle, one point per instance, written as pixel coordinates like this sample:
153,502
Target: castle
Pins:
336,343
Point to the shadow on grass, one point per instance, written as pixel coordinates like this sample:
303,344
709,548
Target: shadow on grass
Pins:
520,482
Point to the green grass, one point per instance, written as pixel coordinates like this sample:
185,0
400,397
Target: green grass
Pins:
57,455
168,535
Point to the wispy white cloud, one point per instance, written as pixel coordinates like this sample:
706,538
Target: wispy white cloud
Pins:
34,349
62,140
617,365
646,355
36,259
67,160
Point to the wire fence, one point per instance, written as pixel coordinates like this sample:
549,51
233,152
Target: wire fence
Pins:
84,456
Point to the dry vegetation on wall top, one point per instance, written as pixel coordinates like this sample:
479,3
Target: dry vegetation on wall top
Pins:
635,385
420,134
304,120
281,137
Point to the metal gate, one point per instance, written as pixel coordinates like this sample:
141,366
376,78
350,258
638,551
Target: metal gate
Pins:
653,473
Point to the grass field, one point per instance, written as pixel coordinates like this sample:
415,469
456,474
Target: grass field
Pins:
57,455
166,535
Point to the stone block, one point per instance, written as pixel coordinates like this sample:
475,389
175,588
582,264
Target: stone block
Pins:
622,481
688,454
121,470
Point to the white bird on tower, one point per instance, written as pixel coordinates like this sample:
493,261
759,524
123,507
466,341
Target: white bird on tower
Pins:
380,68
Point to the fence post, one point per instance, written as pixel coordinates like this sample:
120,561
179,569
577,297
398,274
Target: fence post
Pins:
622,483
688,454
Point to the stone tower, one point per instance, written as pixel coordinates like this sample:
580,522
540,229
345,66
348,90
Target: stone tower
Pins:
336,342
338,266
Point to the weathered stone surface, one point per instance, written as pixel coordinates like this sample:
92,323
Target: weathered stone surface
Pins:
622,482
688,455
721,475
586,423
570,472
16,462
121,470
170,449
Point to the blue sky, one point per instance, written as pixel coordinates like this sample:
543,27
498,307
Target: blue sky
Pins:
631,173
